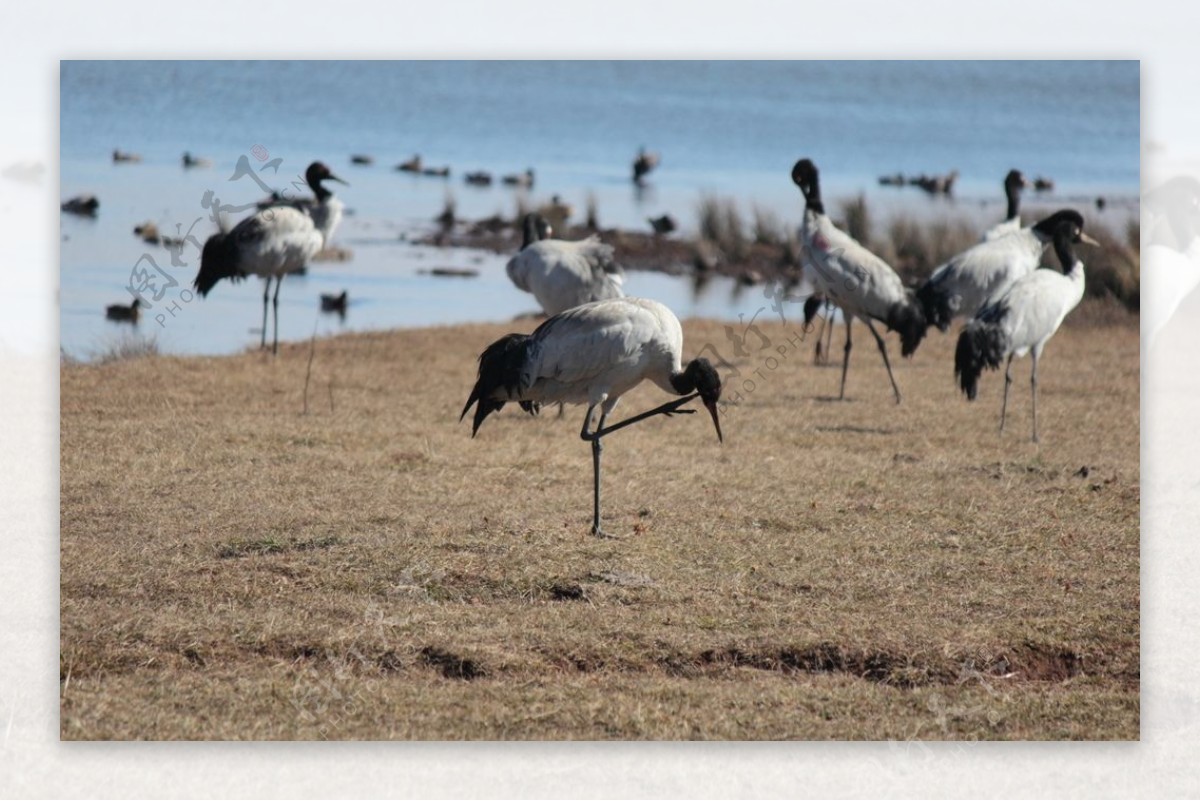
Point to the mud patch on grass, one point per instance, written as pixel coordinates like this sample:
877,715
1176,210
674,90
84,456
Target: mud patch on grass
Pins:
567,592
882,667
451,665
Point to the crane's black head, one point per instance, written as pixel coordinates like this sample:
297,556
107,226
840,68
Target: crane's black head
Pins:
1047,227
218,260
700,376
535,228
804,175
1067,233
318,172
1015,180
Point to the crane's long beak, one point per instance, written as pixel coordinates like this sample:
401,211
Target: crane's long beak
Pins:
332,177
1088,240
712,409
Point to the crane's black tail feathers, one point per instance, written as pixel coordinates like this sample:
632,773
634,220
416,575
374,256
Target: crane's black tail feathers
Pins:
500,367
981,344
218,260
908,319
935,303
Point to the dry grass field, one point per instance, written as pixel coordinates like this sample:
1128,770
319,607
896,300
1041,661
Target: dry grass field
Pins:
236,567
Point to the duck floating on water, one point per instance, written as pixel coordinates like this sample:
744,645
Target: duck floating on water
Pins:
121,313
83,205
524,179
190,161
412,165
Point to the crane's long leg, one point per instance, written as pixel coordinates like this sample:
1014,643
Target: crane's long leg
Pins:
595,436
828,331
820,336
266,296
597,447
845,358
1007,384
819,353
668,409
1033,386
883,351
278,285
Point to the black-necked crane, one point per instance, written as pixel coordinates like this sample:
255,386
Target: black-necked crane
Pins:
273,242
1023,319
561,274
594,354
643,164
119,312
1014,182
857,281
982,272
1171,244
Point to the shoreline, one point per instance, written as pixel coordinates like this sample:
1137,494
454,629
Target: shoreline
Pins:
1092,313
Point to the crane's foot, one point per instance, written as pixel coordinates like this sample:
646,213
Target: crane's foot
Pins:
598,532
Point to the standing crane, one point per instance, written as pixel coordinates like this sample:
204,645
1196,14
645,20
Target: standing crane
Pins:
594,354
860,283
1023,319
562,274
271,243
983,272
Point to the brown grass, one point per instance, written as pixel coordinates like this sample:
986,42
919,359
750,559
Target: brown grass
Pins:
233,568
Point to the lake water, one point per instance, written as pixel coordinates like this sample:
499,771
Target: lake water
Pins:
728,128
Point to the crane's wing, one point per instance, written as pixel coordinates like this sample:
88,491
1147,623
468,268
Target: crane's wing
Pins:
277,235
988,267
1031,309
582,343
853,275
